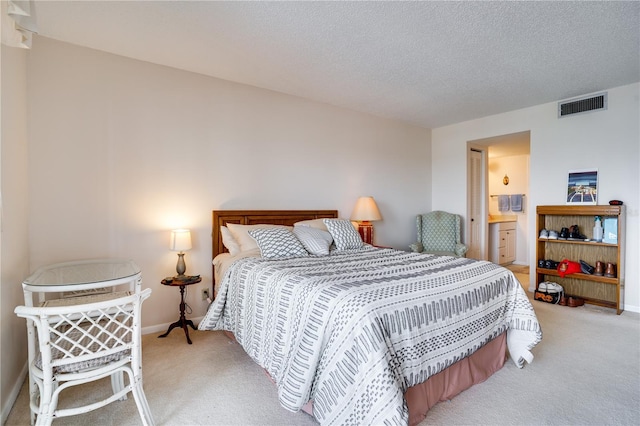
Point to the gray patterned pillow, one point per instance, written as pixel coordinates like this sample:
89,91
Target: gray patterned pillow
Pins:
278,243
344,234
315,240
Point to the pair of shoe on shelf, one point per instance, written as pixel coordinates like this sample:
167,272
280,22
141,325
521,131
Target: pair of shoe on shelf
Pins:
609,271
548,264
571,301
548,235
572,234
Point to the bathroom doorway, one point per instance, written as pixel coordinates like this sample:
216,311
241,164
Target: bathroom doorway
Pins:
498,166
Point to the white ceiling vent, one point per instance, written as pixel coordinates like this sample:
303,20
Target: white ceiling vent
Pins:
584,104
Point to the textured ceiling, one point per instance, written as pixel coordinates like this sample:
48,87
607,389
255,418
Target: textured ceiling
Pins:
427,63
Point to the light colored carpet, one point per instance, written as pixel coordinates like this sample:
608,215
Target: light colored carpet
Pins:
518,269
586,371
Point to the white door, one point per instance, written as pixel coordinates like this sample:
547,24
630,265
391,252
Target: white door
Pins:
476,218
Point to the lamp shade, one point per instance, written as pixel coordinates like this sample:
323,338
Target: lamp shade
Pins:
366,209
180,240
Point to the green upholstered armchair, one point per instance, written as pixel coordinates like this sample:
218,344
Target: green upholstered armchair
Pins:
439,233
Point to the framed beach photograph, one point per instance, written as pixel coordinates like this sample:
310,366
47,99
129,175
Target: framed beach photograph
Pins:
582,186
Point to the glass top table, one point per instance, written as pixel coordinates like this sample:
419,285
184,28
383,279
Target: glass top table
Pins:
82,275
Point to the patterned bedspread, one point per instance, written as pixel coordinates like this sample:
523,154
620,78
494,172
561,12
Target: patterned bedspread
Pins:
353,330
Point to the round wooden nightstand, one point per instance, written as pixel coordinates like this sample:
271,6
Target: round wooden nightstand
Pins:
182,282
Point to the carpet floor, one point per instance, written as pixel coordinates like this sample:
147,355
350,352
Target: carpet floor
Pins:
586,371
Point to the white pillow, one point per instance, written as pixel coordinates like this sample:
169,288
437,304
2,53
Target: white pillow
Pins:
242,237
312,223
229,241
315,240
278,243
345,236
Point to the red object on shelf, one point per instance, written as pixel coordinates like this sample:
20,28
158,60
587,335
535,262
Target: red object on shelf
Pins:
567,267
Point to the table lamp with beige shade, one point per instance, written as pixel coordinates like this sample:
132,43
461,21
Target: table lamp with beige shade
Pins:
366,211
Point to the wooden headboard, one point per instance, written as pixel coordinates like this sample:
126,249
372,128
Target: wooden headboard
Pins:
254,217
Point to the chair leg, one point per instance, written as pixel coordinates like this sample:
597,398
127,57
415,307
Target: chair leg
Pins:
34,395
34,401
117,384
43,420
48,402
141,399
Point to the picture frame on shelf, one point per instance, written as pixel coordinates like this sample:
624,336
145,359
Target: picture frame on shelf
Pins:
582,187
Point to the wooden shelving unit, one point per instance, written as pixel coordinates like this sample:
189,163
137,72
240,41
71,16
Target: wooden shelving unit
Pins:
596,290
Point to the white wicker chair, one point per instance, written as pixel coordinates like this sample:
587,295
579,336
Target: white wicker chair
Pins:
84,339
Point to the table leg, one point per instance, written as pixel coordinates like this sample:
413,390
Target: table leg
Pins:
183,322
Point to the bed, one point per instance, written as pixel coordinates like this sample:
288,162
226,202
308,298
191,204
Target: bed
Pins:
366,335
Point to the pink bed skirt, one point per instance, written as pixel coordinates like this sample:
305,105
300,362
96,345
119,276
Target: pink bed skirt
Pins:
460,376
448,383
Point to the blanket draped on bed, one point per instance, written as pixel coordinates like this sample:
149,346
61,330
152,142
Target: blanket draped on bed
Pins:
353,330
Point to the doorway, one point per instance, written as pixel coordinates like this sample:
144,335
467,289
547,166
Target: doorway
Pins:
497,165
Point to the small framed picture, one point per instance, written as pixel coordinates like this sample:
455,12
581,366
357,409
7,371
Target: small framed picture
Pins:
582,186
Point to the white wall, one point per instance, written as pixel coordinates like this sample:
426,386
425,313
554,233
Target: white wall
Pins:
608,140
14,255
122,151
517,168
